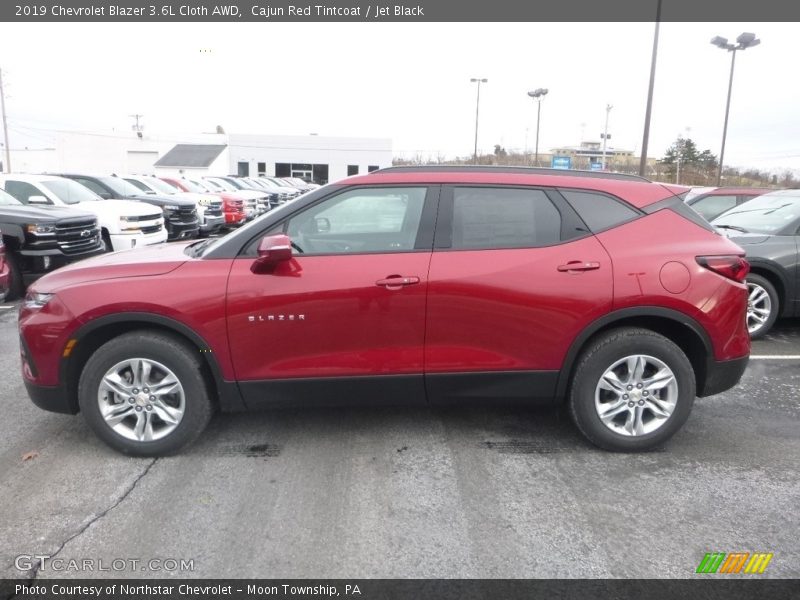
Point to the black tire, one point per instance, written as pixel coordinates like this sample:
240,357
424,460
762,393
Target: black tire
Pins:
775,305
184,362
603,352
107,241
16,286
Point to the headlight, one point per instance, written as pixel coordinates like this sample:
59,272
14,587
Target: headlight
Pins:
40,229
36,300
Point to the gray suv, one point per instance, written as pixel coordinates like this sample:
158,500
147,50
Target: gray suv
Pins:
768,228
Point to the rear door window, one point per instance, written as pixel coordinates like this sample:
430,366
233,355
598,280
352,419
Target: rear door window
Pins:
490,218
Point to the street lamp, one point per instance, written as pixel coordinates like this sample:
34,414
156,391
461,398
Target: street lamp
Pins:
538,94
743,42
477,108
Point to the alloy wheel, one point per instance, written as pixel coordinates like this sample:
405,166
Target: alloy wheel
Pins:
141,399
636,395
759,307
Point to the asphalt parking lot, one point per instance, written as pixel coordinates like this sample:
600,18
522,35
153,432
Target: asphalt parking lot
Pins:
363,493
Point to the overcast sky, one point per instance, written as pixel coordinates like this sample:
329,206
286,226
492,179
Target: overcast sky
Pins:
409,82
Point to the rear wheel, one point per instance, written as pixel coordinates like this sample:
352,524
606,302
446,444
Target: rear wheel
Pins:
143,393
632,390
762,305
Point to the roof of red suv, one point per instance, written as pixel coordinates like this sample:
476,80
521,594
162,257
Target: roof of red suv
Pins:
636,190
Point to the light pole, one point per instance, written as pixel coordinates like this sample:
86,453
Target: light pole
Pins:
649,109
5,126
538,94
477,109
743,42
605,135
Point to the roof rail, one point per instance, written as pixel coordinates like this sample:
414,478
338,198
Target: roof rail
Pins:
509,169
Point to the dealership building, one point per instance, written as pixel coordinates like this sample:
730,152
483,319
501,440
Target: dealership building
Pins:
313,157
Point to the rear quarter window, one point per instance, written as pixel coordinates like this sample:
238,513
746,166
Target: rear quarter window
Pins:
600,211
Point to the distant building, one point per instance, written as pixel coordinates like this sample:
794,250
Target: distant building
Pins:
312,157
589,153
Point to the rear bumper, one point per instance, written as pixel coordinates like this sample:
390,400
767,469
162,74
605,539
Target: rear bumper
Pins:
53,399
722,375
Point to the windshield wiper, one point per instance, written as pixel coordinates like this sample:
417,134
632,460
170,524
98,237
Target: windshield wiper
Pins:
734,227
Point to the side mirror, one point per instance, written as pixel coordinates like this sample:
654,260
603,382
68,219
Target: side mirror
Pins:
38,200
272,250
105,195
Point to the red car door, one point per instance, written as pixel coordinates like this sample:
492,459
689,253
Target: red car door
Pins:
514,277
346,316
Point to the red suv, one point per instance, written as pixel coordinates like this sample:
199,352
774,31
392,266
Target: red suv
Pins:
408,284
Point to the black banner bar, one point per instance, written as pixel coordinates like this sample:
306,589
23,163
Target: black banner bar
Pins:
700,588
411,11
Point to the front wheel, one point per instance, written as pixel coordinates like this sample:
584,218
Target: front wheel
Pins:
143,393
762,306
632,390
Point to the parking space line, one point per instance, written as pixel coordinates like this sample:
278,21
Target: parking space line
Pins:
6,307
775,356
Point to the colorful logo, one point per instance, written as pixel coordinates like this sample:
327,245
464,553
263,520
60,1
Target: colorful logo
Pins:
735,562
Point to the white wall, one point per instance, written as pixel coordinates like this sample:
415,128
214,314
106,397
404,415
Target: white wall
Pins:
124,152
336,152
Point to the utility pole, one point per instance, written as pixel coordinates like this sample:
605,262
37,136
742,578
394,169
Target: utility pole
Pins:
479,81
605,135
136,127
5,125
678,171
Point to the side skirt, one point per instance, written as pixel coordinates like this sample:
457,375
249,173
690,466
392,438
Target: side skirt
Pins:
529,387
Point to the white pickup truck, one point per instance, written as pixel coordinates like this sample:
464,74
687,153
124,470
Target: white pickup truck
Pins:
124,224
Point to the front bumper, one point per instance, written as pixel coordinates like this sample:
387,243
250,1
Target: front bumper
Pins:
722,375
53,399
36,263
212,223
181,231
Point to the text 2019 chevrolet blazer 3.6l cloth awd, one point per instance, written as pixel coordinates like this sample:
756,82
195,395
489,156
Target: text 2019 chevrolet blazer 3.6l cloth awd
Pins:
408,284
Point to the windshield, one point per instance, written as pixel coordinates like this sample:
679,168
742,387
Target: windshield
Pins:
255,183
141,185
120,186
161,185
197,187
6,199
765,214
222,183
70,192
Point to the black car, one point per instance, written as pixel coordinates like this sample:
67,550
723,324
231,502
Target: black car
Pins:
180,215
40,239
768,228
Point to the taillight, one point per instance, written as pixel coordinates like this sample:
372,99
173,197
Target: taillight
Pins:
731,266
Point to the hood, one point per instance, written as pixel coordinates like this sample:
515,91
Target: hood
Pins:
113,209
163,200
250,194
744,239
138,262
200,198
29,213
